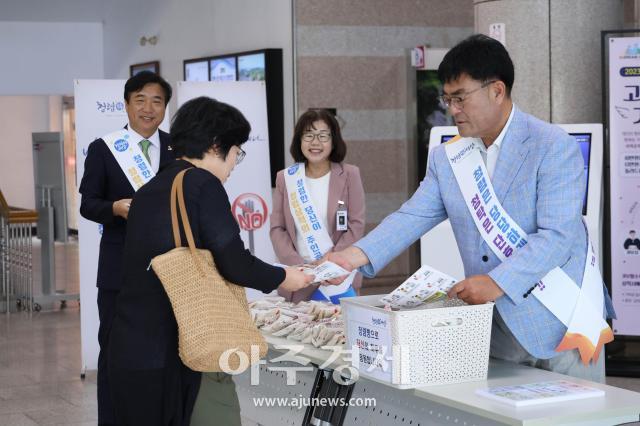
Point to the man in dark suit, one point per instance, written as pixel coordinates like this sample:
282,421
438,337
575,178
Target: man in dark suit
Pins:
106,197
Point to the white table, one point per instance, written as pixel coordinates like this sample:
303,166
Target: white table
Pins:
455,404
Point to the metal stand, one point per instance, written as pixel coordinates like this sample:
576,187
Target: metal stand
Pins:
21,267
16,256
46,233
4,259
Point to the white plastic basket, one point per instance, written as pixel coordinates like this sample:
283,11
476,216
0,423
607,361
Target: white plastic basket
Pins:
440,343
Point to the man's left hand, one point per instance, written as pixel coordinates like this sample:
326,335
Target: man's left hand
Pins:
476,290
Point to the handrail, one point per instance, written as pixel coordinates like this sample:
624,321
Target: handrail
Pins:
16,214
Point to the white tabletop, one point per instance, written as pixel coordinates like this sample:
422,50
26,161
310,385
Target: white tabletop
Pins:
617,406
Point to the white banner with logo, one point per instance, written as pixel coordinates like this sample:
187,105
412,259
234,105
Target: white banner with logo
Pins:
100,110
249,186
624,160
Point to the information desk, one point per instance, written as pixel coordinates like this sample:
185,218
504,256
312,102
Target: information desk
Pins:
434,405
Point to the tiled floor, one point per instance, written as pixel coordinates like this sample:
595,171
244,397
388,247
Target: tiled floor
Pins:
40,360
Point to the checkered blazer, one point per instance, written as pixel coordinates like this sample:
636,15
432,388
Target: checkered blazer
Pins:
539,180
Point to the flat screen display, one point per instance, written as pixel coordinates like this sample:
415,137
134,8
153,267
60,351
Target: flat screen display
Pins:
223,69
251,67
196,71
584,140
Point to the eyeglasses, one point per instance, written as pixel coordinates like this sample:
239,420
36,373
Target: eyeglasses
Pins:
323,137
240,156
457,101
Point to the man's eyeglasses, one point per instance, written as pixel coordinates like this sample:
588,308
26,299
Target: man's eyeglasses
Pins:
457,101
240,156
323,137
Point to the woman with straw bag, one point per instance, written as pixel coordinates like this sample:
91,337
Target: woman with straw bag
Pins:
150,383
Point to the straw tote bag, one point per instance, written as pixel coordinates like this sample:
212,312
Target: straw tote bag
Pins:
212,313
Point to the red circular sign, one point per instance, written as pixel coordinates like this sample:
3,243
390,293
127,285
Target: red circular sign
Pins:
250,210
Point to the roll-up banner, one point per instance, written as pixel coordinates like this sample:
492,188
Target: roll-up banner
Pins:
249,186
624,177
100,110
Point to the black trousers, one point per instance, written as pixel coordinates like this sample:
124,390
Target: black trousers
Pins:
106,311
158,397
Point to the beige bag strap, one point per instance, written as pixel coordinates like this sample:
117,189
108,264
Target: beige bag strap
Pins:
177,194
174,214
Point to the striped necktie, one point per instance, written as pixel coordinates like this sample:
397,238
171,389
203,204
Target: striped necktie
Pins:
144,146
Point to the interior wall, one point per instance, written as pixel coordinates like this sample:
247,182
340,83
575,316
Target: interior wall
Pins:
44,46
195,28
16,163
354,58
43,58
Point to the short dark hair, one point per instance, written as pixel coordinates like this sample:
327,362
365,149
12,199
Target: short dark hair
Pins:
482,58
141,79
305,122
203,122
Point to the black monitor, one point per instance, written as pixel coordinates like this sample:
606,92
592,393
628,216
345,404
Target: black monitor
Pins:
584,140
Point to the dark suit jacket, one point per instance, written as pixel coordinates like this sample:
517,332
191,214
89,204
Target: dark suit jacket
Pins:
103,183
144,333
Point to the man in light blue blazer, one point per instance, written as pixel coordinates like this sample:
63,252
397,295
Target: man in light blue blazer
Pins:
537,172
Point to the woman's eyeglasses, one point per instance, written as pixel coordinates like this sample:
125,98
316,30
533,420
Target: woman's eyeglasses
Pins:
240,156
322,136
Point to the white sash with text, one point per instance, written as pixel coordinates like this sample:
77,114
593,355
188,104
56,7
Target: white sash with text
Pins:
130,158
307,221
580,309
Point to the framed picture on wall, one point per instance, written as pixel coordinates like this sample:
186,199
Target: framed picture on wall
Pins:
153,66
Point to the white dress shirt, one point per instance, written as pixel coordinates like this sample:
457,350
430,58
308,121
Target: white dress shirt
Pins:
490,155
154,147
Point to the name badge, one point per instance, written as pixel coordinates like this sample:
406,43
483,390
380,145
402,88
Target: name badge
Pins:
341,218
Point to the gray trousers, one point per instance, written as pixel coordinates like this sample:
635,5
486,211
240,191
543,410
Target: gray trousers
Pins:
217,402
506,347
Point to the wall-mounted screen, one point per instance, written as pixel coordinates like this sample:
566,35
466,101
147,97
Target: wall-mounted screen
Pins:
251,67
223,69
196,71
584,140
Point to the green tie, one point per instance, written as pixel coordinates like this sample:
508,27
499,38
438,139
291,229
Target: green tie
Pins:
144,146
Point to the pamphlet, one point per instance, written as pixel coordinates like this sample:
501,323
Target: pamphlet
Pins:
426,285
540,393
323,272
